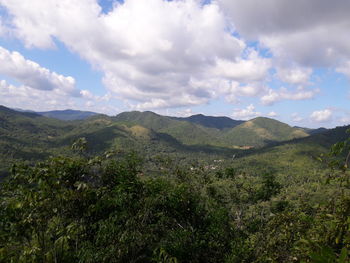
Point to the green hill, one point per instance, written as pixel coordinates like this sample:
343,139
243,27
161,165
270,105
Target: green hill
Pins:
261,131
211,122
31,137
294,162
172,201
183,131
198,130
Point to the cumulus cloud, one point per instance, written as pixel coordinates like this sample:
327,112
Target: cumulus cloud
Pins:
344,68
272,114
184,113
310,33
296,75
274,96
42,100
234,91
322,115
246,114
151,52
29,73
345,120
17,96
296,117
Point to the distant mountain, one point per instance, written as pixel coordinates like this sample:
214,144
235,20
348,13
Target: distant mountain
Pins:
31,137
68,115
316,131
185,132
64,115
211,122
27,135
254,133
262,131
327,137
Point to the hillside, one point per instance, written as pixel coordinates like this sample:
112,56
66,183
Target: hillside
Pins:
68,115
211,122
195,201
32,137
197,129
261,131
183,131
249,207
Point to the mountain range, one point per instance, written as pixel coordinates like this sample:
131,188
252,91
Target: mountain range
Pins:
34,136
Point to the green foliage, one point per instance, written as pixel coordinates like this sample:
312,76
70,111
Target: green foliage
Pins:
178,203
211,122
99,210
260,132
214,130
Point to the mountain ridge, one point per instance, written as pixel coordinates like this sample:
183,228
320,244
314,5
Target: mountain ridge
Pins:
65,115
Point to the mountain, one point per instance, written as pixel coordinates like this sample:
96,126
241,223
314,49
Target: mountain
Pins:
183,131
177,186
27,136
197,129
31,137
261,131
211,122
68,115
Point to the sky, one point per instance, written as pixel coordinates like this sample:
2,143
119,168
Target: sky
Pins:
288,60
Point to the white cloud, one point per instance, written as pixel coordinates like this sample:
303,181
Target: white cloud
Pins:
296,117
274,96
272,114
151,52
35,99
246,114
312,33
345,120
296,75
322,115
184,113
14,65
234,91
42,100
252,69
163,54
344,68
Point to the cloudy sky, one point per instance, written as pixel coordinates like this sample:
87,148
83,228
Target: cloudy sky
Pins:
288,60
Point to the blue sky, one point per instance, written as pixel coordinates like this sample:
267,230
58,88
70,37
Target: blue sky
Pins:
227,57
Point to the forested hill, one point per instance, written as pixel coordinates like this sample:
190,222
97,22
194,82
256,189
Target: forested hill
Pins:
31,136
141,187
222,131
262,131
211,122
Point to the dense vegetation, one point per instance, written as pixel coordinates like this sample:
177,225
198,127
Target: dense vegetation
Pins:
121,192
220,132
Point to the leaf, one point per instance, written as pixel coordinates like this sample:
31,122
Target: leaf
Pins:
343,255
